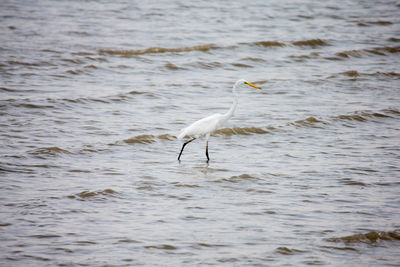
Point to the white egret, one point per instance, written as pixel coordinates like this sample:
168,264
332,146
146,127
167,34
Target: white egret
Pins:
206,126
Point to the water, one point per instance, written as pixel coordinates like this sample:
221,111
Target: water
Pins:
93,94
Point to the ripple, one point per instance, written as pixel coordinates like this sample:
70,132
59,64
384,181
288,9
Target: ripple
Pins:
85,243
372,237
94,195
235,179
363,116
380,22
162,247
148,138
157,50
52,151
310,122
339,248
171,66
355,73
269,44
312,42
348,181
141,139
381,51
287,251
126,240
208,245
241,131
45,236
34,106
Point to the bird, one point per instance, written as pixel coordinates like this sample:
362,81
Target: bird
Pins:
206,126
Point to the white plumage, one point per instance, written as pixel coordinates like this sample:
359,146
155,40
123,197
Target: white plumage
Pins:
203,126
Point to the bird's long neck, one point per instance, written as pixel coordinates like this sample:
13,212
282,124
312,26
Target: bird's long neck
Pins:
230,112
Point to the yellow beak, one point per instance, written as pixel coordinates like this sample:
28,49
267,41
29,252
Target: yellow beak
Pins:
252,85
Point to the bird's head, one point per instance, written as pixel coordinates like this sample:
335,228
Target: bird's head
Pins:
243,83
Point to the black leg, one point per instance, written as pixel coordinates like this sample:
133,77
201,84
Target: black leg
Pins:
208,158
184,147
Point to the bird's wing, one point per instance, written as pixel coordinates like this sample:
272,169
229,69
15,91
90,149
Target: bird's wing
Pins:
201,127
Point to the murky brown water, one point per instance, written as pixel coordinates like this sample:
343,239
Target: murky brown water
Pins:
93,94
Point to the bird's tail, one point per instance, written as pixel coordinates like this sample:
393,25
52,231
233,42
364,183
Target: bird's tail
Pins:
182,133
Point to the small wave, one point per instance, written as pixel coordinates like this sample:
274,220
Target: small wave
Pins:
312,43
371,23
372,237
359,116
26,64
254,59
73,61
157,50
141,139
17,168
390,74
287,251
66,250
83,100
350,53
348,181
207,245
392,111
106,99
74,72
7,89
82,53
133,92
87,195
91,66
206,65
351,73
235,179
380,22
241,131
351,118
301,58
34,106
162,247
148,138
83,70
171,66
85,243
381,51
241,65
355,74
45,236
185,185
49,151
311,122
363,116
269,44
166,137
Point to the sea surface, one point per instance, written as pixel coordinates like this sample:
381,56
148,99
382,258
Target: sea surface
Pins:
93,94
